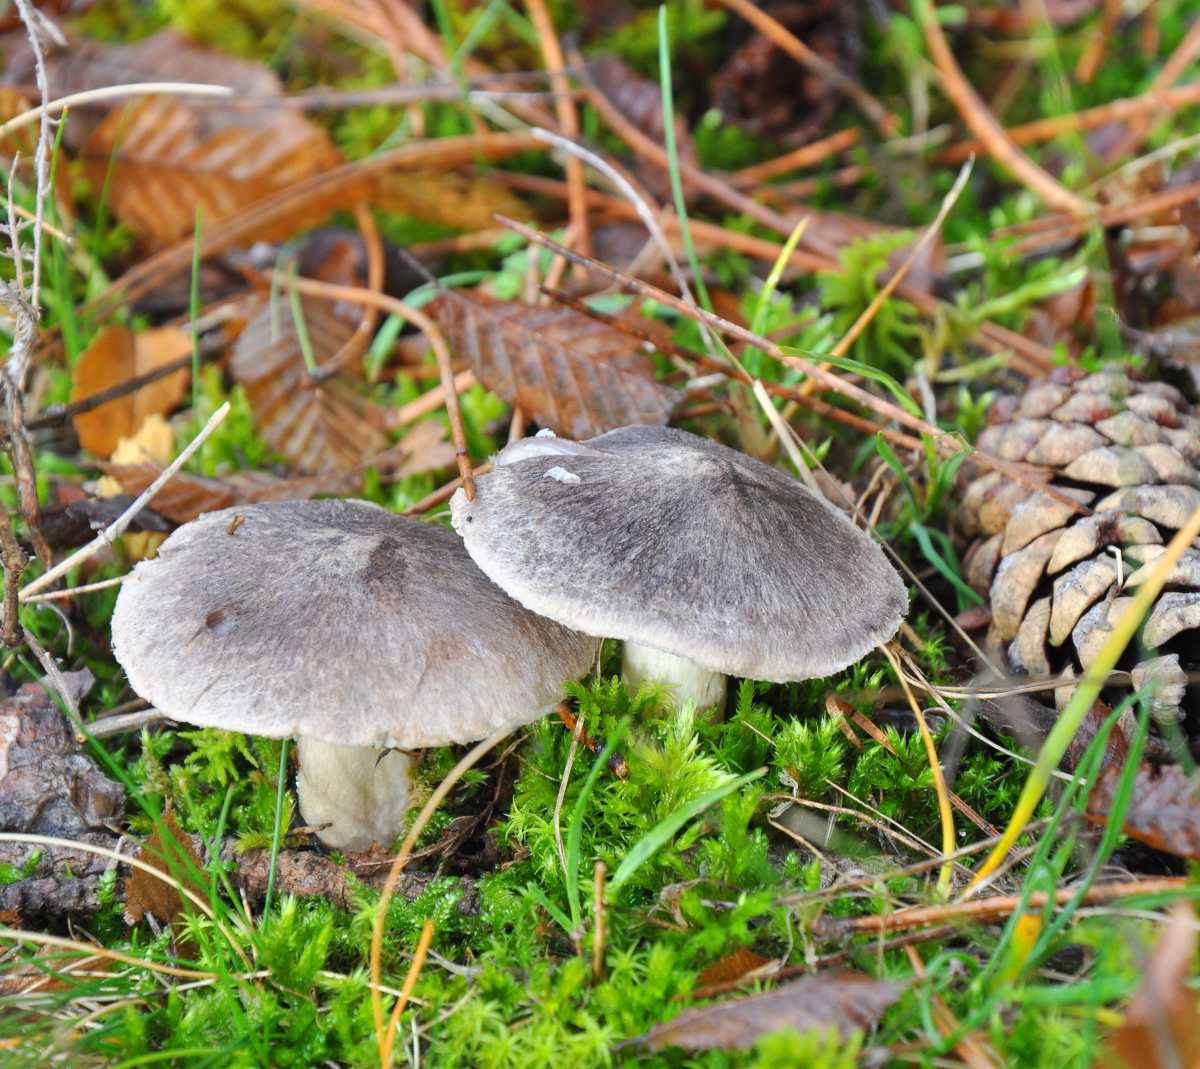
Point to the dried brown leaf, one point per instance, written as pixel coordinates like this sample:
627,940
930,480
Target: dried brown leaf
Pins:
465,201
1161,1026
174,855
161,165
115,355
1164,809
844,1001
568,372
320,428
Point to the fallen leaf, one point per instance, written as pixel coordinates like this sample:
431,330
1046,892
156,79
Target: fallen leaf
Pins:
567,371
1161,1027
1164,810
321,427
186,496
115,355
174,855
160,166
845,1001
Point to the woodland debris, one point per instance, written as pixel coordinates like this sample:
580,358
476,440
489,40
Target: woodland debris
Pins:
115,355
566,371
320,427
846,1002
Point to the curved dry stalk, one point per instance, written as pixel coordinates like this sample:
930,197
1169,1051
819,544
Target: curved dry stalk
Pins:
935,766
105,93
20,935
132,862
435,799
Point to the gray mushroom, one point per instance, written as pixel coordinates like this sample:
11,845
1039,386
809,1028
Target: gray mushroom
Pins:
713,562
348,627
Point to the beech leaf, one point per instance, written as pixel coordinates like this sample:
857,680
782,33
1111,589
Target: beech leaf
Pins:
160,165
319,427
570,373
115,355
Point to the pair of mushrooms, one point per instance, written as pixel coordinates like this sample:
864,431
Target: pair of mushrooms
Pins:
366,635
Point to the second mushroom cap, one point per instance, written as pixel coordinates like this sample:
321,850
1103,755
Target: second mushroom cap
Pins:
657,536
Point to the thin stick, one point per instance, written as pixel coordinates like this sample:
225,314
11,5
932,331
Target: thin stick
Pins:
986,909
58,413
984,125
805,156
935,767
16,935
568,119
118,526
111,92
410,981
389,885
576,734
87,588
430,401
1121,110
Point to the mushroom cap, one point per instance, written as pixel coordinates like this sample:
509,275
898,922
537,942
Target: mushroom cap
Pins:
337,621
654,535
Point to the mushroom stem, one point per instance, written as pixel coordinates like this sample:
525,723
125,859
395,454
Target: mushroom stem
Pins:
685,678
361,792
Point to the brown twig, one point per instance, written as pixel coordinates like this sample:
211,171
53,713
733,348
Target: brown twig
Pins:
809,155
599,872
357,343
1178,62
11,635
1121,110
568,119
982,910
983,125
771,28
58,413
1093,52
443,493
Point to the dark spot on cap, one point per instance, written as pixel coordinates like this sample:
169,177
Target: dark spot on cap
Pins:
219,622
385,572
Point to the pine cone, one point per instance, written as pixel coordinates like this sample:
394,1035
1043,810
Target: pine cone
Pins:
1057,578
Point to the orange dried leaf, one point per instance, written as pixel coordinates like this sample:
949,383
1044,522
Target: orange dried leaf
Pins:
115,355
567,371
161,165
845,1001
322,427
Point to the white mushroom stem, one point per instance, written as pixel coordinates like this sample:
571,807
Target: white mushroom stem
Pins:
361,792
686,679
